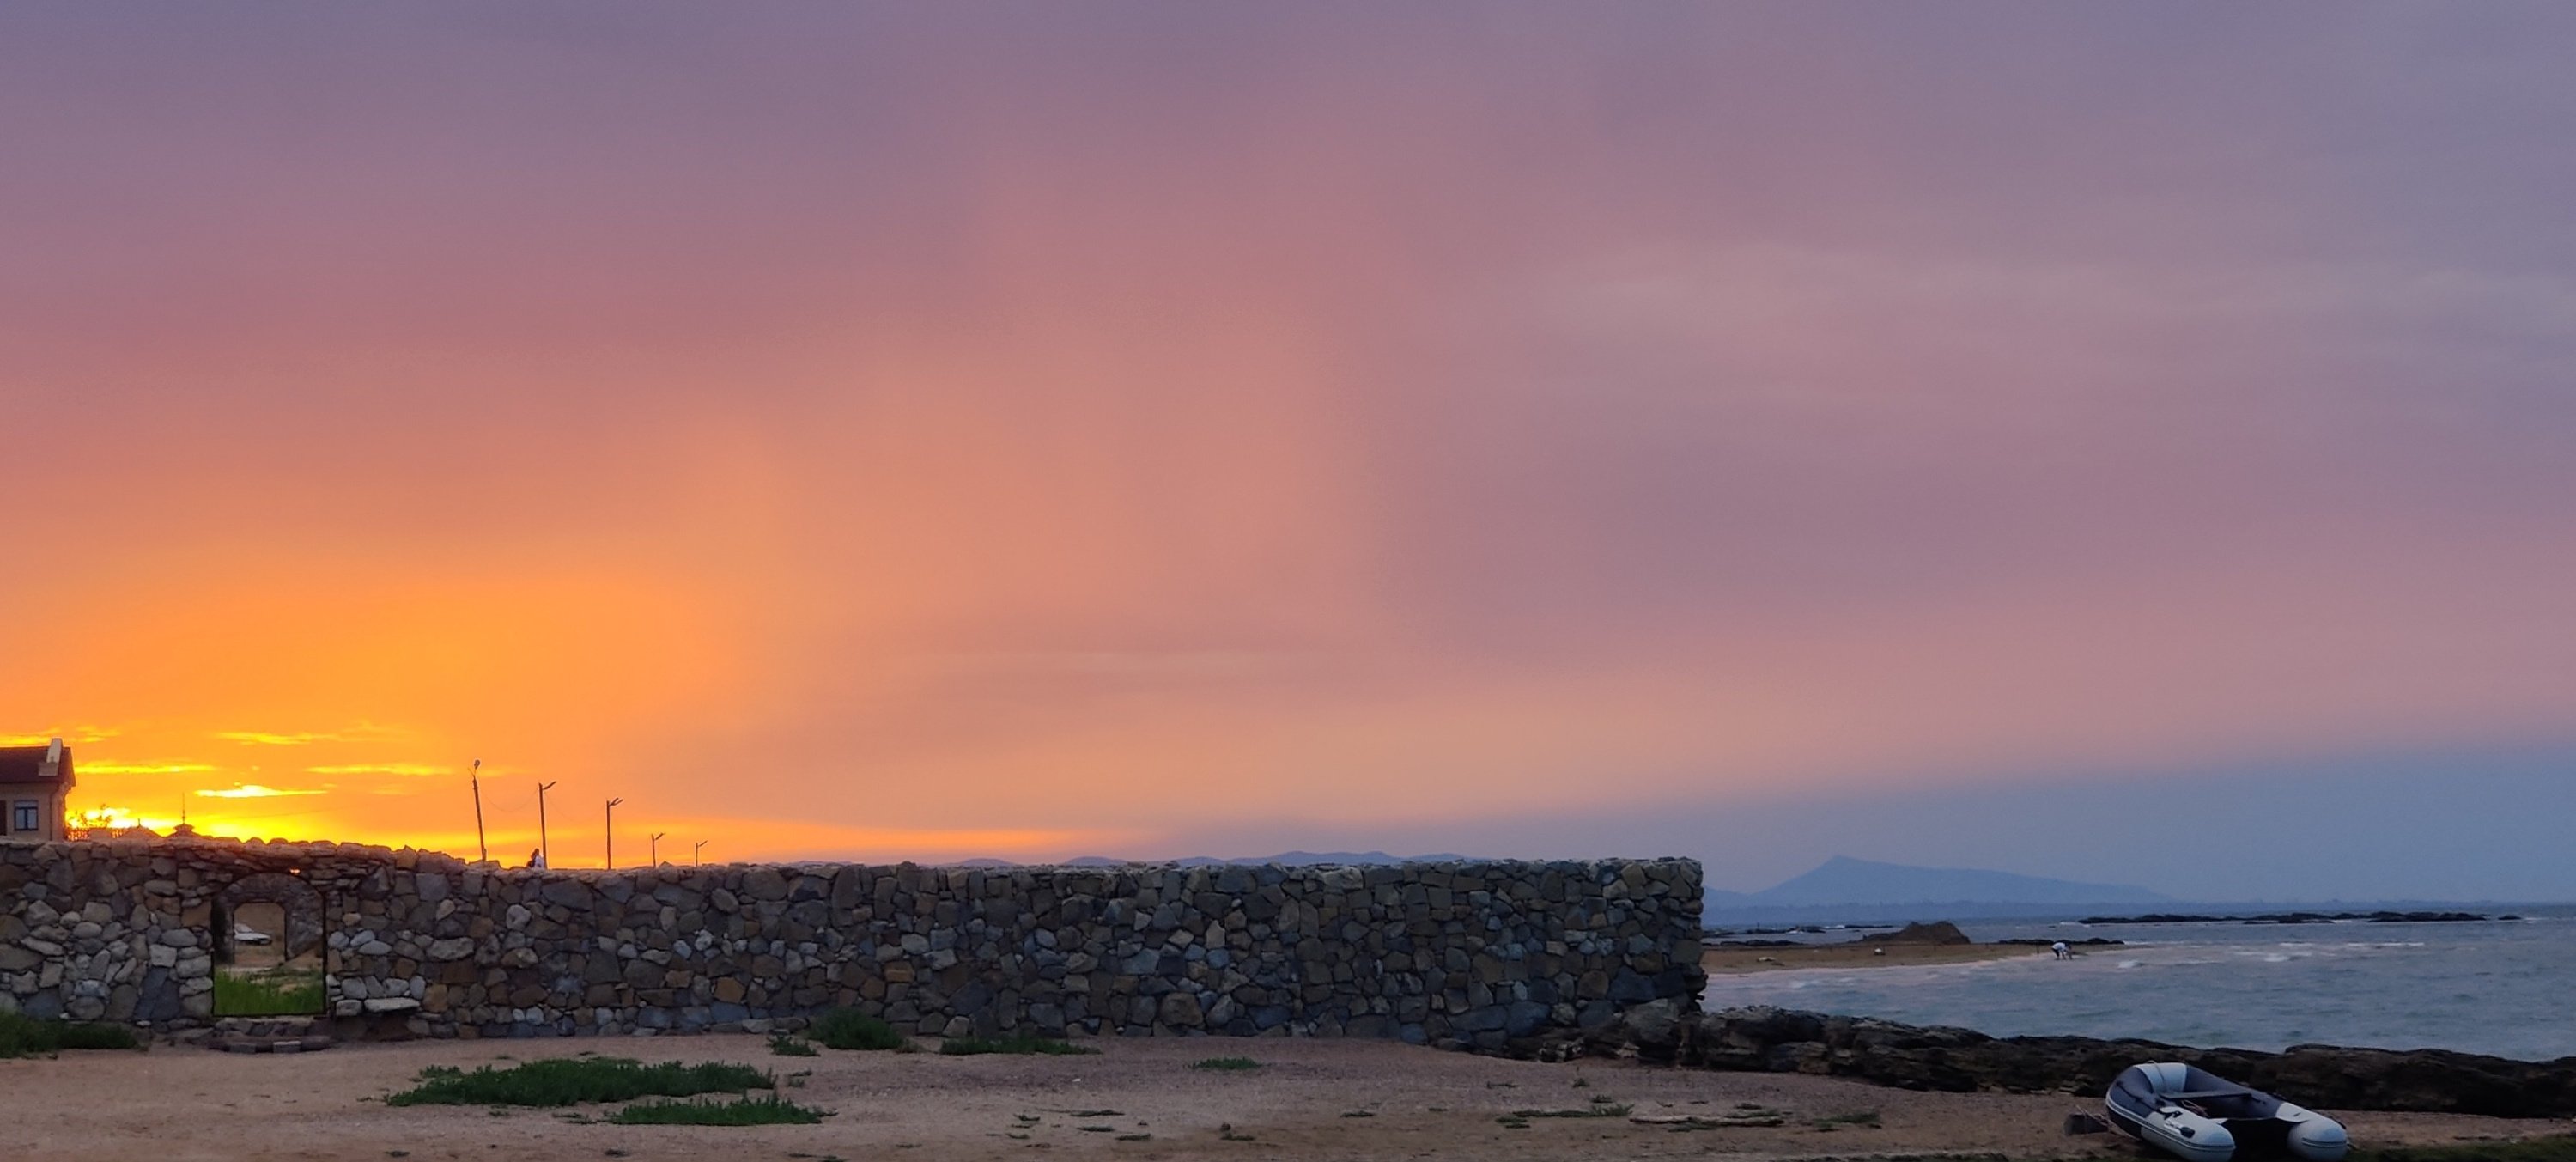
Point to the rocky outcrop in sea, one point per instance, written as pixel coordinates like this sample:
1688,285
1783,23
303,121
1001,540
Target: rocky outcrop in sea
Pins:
1963,1060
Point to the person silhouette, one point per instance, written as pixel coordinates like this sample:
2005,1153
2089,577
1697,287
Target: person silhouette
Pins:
536,857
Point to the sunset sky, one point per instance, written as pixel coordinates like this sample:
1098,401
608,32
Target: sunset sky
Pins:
2117,442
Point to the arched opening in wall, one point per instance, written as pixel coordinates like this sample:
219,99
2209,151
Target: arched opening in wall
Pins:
268,947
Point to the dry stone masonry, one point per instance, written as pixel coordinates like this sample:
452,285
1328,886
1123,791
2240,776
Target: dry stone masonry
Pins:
1477,954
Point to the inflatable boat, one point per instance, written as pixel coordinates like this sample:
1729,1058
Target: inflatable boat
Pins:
2199,1116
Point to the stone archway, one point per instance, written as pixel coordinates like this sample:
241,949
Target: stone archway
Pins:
267,939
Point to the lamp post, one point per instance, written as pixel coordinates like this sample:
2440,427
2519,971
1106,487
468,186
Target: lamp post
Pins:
545,852
609,814
696,856
474,775
653,849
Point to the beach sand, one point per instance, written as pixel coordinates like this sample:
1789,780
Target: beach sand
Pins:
187,1104
1744,960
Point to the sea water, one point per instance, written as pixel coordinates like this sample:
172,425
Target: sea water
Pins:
2499,987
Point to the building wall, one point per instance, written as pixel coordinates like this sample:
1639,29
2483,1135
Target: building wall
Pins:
48,799
1469,953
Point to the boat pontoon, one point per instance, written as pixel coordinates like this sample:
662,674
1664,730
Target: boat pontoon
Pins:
2199,1116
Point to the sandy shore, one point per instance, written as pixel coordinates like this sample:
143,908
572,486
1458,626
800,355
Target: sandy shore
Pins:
1744,960
1360,1100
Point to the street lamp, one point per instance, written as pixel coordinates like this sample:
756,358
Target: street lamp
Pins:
653,849
474,775
695,858
545,851
609,813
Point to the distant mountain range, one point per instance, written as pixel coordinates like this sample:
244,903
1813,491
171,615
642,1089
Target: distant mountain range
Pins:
1843,888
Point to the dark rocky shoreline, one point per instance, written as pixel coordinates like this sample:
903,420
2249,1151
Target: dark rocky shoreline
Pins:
2304,918
1962,1060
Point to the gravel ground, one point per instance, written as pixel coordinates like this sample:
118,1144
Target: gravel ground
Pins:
1309,1099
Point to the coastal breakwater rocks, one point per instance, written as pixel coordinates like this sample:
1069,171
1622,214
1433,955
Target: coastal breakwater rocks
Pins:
1487,955
1961,1060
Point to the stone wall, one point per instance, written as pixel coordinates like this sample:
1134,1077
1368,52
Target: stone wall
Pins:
1476,954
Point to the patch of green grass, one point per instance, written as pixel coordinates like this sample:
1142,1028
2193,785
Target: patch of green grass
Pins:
852,1029
786,1045
1228,1063
767,1109
267,994
23,1036
563,1081
972,1046
2555,1148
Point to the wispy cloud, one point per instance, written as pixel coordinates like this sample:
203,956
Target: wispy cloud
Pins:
407,769
361,732
266,738
145,768
69,734
256,791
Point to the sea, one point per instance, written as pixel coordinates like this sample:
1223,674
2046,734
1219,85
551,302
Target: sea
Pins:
2501,987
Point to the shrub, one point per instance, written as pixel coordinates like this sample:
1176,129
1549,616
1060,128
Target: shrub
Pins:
852,1029
971,1046
563,1081
1228,1063
24,1036
765,1110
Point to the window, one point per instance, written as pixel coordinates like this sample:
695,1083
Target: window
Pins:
23,816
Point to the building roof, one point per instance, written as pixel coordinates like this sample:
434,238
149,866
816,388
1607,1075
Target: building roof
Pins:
50,765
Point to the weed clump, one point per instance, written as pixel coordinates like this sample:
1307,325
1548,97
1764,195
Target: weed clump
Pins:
24,1036
764,1110
1228,1063
785,1045
972,1046
563,1081
852,1029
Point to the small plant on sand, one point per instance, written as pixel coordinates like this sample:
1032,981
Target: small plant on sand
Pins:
1600,1108
852,1029
563,1081
1867,1119
1228,1064
23,1036
767,1109
972,1046
788,1045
